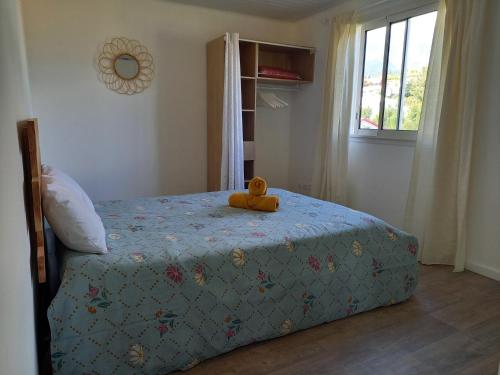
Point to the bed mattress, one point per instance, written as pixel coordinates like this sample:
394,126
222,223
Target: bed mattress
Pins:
188,278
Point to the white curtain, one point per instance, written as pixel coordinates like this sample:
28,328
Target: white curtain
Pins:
331,172
231,176
437,203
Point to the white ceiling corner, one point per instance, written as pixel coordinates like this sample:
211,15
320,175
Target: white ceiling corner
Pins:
288,10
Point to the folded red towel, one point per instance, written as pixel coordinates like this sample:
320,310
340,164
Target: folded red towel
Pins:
271,72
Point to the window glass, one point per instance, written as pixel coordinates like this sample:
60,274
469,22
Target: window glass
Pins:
372,78
394,73
420,33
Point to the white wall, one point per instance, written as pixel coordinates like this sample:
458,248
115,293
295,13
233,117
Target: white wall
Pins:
17,334
378,171
379,177
121,146
483,247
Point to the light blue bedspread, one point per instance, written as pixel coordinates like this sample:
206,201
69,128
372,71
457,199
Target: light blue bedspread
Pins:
188,278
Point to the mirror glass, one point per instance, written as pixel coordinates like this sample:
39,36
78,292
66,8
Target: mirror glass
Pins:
126,66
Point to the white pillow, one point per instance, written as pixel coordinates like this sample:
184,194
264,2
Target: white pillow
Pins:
73,219
59,175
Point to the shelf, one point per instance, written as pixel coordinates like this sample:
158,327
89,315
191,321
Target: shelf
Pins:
248,126
248,169
280,46
247,77
280,81
248,59
248,150
297,60
248,110
248,93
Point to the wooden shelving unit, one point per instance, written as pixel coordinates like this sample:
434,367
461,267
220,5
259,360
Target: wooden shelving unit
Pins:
252,55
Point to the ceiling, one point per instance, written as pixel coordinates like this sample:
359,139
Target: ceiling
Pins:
289,10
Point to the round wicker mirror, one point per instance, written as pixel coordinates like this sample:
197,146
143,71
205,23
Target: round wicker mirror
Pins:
125,66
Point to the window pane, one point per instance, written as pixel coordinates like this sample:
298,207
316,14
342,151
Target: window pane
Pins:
372,78
420,33
394,71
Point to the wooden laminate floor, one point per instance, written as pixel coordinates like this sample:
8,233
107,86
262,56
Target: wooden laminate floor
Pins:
450,326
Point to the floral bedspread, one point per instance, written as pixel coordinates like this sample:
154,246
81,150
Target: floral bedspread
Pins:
188,278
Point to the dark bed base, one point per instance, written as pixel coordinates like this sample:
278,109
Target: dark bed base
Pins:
44,295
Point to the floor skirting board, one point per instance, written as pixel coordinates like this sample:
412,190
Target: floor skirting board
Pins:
484,270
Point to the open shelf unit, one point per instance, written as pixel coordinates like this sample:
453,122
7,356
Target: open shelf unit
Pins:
252,55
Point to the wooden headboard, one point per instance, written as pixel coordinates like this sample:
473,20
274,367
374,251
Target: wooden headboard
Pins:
32,183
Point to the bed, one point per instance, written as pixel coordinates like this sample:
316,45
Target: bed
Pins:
188,278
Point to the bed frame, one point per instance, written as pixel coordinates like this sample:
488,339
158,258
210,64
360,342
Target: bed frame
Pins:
33,197
42,239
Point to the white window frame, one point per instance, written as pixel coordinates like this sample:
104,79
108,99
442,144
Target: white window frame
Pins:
386,134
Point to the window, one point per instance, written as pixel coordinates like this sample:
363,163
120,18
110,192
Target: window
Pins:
393,72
